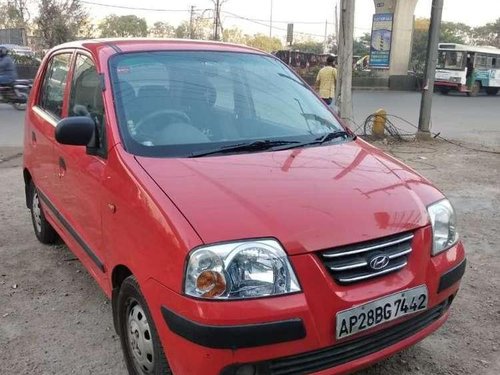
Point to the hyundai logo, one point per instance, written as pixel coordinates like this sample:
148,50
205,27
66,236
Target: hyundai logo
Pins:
379,262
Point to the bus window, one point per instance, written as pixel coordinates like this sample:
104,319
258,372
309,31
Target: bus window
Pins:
481,61
451,60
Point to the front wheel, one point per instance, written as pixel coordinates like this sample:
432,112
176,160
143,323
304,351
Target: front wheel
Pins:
19,106
42,228
140,342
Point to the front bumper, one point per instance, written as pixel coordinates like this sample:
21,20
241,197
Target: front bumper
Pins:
213,337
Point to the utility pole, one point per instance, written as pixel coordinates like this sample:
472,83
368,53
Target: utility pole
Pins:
191,23
216,20
336,24
271,21
325,42
430,70
345,40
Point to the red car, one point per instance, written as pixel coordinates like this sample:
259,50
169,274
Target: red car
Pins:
237,225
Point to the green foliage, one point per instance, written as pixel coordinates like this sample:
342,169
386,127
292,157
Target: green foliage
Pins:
162,30
123,26
451,32
60,21
202,29
308,46
234,36
265,43
14,14
361,45
488,34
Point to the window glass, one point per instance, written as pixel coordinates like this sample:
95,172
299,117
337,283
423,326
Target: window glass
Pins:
54,84
86,94
450,60
202,100
481,61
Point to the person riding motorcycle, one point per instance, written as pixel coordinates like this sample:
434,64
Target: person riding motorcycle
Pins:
8,73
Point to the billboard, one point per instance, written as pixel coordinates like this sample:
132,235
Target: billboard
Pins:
380,47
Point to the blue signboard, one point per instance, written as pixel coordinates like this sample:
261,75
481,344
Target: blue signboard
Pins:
380,47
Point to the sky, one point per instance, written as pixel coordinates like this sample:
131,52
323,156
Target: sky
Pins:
308,16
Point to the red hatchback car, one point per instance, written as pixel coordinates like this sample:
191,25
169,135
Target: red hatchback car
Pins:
237,225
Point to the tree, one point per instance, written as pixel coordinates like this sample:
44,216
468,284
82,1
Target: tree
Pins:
123,26
15,14
202,29
451,32
61,21
308,46
361,45
162,30
488,34
265,43
234,36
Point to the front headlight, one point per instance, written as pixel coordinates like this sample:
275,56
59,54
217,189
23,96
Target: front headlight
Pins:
240,270
444,226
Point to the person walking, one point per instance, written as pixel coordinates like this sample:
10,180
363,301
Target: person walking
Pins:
8,72
326,81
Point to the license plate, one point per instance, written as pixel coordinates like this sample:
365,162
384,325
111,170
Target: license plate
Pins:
382,310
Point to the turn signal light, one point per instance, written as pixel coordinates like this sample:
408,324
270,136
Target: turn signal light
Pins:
211,284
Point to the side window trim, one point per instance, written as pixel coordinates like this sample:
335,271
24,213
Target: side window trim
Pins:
47,67
102,150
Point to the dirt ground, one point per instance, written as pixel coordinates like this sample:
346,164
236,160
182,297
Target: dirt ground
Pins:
55,320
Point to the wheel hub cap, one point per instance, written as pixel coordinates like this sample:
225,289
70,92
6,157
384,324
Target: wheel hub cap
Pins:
140,340
37,213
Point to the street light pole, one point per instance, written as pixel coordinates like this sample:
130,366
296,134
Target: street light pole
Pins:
430,70
271,21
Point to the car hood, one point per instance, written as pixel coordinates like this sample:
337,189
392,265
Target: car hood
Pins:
309,199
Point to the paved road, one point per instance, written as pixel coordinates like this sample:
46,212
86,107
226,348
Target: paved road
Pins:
455,116
11,126
476,120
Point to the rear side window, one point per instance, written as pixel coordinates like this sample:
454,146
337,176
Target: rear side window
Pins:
54,84
86,94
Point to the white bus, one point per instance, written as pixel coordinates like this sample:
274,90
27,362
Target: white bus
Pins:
468,69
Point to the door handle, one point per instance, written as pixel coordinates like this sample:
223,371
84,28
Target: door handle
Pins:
62,167
33,138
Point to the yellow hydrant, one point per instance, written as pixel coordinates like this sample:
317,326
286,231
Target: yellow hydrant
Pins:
379,120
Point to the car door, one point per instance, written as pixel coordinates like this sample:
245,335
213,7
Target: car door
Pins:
42,119
81,169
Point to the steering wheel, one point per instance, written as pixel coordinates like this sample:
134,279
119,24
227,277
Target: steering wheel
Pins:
146,127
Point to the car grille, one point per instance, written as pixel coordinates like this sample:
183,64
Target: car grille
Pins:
358,262
343,353
326,358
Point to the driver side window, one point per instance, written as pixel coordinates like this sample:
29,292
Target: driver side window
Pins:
86,96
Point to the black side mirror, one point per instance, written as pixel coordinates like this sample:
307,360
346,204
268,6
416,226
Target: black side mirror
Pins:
76,131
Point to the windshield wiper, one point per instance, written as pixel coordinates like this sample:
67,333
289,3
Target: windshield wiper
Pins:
259,145
318,141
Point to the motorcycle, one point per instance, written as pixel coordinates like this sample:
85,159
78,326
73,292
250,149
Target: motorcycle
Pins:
16,93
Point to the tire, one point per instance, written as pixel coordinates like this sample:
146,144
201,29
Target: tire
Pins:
42,228
444,90
141,345
474,90
19,106
492,91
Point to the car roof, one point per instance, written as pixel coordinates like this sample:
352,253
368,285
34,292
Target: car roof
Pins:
157,44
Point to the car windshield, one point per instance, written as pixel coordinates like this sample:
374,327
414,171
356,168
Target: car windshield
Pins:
187,103
450,60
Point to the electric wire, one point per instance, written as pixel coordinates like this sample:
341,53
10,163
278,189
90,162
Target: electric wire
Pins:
403,135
